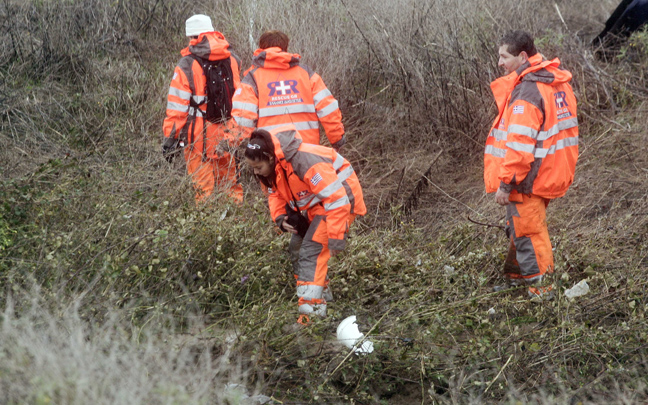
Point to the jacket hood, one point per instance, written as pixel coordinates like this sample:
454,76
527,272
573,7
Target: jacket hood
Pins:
536,69
208,45
286,142
275,58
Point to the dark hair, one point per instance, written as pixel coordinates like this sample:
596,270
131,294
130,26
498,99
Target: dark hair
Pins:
260,147
518,41
274,38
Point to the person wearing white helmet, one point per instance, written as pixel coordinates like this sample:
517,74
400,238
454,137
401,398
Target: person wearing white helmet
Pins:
198,119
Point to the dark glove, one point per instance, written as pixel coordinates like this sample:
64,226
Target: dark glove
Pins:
297,221
171,148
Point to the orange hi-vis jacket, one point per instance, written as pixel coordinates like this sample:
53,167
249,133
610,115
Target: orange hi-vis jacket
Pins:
318,180
533,144
186,122
278,90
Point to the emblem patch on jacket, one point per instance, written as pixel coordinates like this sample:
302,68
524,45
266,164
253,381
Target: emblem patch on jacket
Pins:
561,105
284,92
302,194
316,179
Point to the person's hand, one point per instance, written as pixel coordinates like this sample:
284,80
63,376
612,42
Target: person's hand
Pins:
502,197
334,252
288,227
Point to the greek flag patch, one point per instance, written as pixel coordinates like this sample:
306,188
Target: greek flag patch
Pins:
316,179
518,109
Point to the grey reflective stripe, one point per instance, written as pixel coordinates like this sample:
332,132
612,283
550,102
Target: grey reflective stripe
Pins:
520,147
253,108
304,202
523,130
309,291
299,126
561,144
560,126
198,112
498,134
328,109
321,96
329,190
185,95
177,107
245,122
497,152
199,99
341,202
286,109
317,309
344,174
339,162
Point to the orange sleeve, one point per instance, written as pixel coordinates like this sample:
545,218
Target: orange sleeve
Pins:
177,109
328,111
525,121
323,181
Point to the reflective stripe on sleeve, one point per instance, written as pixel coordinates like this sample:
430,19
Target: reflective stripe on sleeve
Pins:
344,174
185,95
253,108
561,144
560,126
339,162
321,96
498,134
523,130
245,122
341,202
520,147
331,108
497,152
330,189
177,107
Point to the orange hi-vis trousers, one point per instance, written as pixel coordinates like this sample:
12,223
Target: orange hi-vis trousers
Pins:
530,256
310,257
210,173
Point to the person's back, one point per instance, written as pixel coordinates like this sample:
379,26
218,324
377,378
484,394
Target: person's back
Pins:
187,124
278,89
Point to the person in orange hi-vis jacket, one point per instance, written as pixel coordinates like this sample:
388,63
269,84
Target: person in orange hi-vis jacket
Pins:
530,155
278,89
207,142
315,180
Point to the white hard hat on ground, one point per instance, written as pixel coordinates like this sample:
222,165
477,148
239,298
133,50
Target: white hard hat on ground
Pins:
197,24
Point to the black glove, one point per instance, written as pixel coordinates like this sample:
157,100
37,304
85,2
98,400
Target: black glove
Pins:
170,149
297,221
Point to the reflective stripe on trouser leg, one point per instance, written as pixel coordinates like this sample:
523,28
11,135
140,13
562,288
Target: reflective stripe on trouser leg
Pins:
312,268
527,228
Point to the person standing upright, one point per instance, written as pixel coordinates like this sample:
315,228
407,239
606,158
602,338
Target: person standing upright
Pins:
278,89
198,113
531,153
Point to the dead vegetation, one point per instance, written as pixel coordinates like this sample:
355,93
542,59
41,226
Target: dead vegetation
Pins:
116,288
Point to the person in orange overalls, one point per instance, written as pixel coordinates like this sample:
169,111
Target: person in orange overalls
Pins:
206,144
278,89
531,154
315,180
